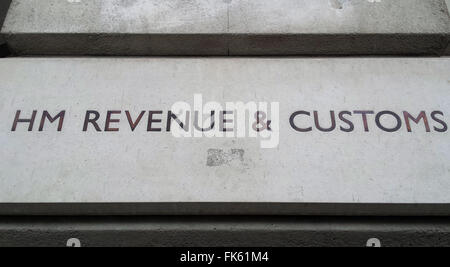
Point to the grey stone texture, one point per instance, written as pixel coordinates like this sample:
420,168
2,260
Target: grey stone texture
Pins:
223,27
230,231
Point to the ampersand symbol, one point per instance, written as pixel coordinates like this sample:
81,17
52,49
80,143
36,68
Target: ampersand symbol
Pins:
260,116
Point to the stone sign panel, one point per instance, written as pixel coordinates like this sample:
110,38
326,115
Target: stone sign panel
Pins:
225,133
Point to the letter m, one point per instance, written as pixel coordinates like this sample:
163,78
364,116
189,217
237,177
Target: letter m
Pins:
46,115
421,116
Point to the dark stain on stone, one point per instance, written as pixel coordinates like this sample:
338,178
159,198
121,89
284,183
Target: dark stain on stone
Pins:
219,157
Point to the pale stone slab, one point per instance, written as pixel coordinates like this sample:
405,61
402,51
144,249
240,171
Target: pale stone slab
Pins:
394,169
227,27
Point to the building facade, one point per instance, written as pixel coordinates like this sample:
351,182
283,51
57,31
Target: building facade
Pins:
225,123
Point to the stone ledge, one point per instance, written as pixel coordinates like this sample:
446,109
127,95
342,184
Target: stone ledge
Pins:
217,27
223,231
278,209
226,45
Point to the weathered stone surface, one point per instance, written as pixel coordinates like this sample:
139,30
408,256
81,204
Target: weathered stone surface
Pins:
400,169
225,27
